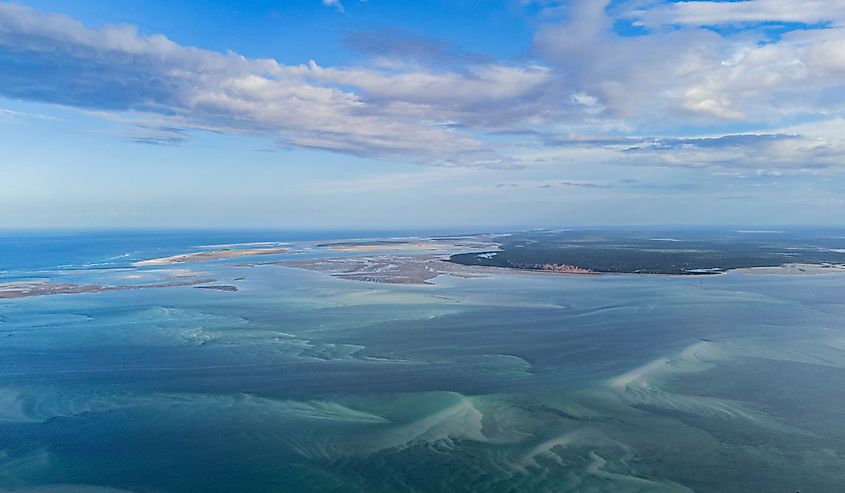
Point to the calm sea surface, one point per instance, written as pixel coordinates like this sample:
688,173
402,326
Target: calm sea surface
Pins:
303,382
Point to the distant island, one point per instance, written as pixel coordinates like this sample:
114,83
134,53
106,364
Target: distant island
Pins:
658,252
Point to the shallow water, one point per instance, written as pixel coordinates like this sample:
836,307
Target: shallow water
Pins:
303,382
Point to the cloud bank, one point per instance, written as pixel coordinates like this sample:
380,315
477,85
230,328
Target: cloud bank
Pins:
640,82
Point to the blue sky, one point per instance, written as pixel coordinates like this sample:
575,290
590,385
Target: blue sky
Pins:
394,114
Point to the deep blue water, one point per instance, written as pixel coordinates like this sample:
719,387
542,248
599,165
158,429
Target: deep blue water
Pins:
303,382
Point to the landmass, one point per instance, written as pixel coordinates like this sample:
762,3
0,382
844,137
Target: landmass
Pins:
795,269
410,244
210,255
377,246
560,268
643,252
26,289
420,260
220,287
390,269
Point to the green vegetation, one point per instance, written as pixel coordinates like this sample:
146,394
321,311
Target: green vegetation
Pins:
660,252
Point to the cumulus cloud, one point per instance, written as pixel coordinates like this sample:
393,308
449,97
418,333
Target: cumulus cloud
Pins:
712,13
52,58
692,74
587,92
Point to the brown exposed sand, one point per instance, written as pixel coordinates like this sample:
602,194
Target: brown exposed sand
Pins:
390,269
26,289
209,255
381,247
412,244
219,287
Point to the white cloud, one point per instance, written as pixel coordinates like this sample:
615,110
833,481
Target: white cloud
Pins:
710,13
694,75
116,69
586,88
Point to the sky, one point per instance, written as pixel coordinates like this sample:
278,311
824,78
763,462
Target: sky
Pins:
395,114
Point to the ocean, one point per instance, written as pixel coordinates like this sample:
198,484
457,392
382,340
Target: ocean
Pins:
303,382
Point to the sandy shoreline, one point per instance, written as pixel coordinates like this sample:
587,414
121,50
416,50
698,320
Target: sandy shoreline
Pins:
209,255
388,269
28,289
376,248
424,261
410,244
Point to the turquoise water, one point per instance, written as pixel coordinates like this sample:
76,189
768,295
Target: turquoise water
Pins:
303,382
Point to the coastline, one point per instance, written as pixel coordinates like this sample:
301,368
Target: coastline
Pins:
205,256
410,261
28,289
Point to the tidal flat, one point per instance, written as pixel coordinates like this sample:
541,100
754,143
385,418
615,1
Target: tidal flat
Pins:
300,380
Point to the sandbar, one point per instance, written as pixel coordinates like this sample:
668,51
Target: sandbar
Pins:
27,289
390,269
209,255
